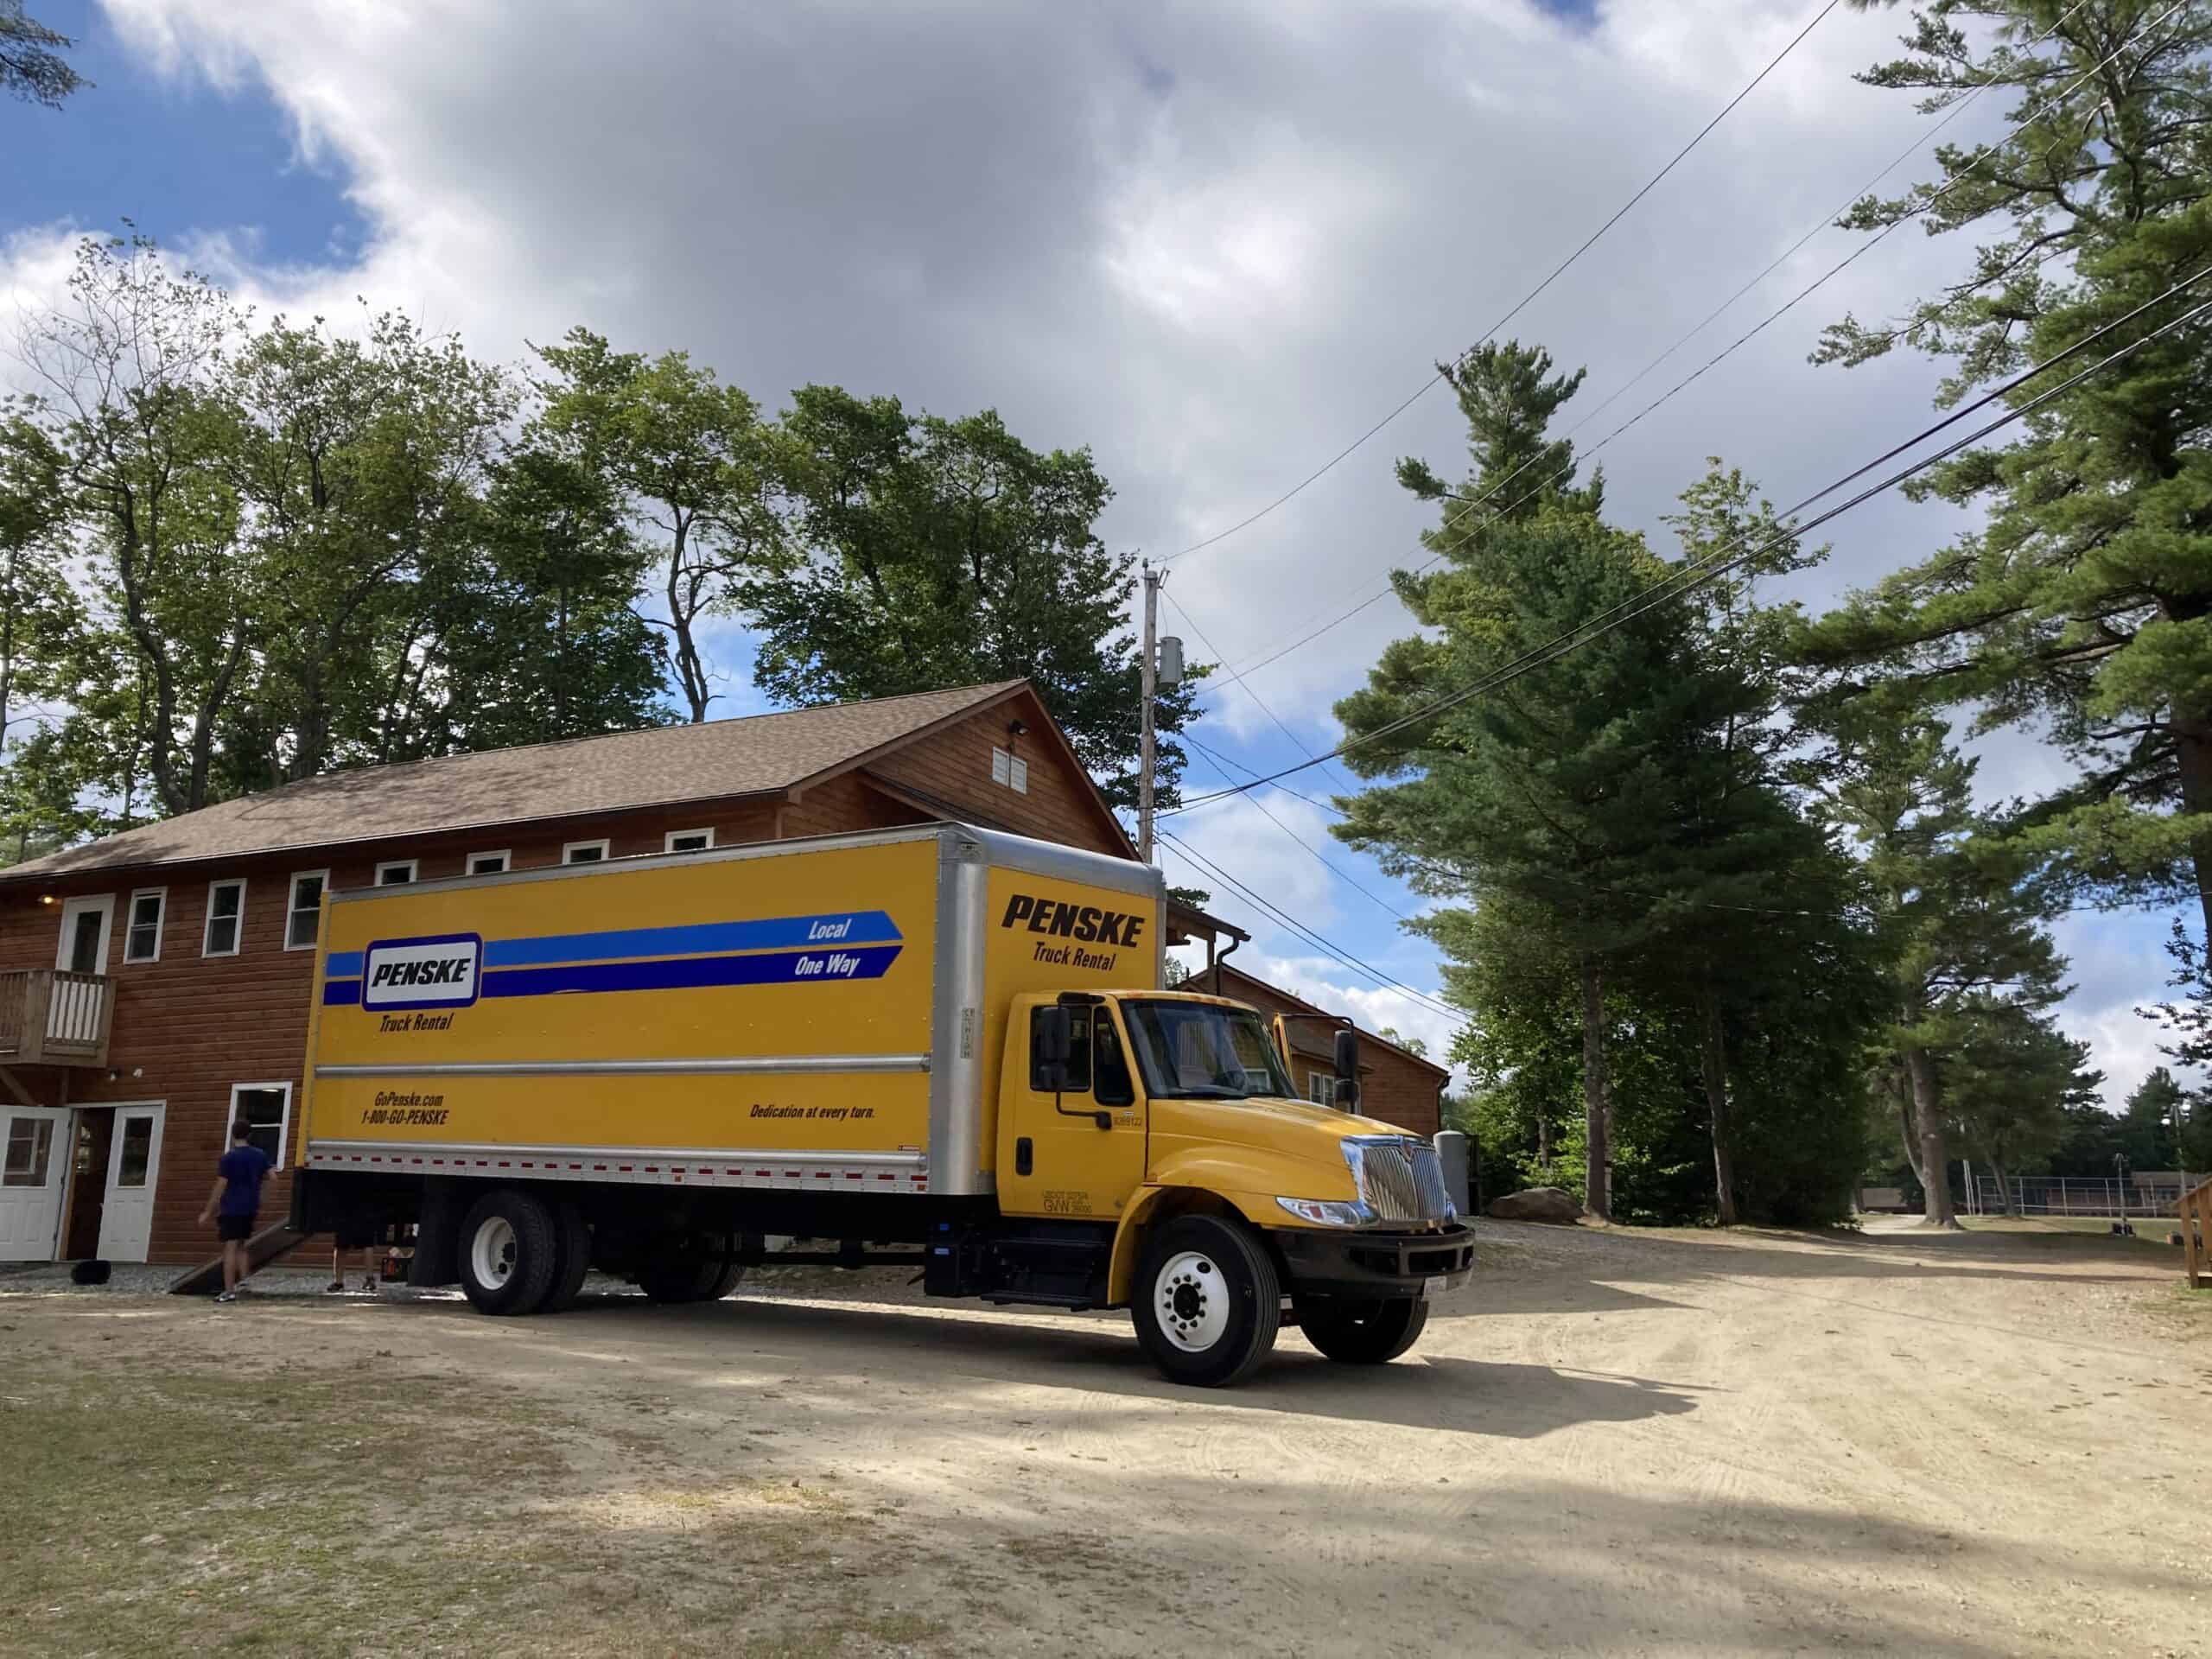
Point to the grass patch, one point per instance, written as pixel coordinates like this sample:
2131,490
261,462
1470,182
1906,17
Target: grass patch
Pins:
154,1507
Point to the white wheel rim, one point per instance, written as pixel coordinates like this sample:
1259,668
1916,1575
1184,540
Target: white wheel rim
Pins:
1192,1301
492,1253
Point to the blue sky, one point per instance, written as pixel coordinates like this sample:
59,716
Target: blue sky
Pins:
1213,244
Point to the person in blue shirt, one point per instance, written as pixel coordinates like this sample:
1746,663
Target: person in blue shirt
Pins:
234,1202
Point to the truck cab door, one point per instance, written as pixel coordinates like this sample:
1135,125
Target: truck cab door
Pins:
1054,1159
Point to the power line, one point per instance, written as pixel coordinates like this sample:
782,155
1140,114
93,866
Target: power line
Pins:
1699,572
1214,650
1335,952
1453,521
1557,271
1221,765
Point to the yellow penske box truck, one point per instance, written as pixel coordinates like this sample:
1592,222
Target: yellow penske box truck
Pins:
941,1047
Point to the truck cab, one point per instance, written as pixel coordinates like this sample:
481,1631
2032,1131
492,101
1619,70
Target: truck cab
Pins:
1168,1120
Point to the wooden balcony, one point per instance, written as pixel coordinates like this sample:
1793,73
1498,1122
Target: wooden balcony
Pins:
50,1017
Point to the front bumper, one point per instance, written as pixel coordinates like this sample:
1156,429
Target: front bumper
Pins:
1321,1262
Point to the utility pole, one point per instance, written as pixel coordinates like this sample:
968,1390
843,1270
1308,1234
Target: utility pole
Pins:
1145,747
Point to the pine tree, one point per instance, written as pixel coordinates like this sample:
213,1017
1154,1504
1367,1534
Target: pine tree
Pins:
2081,605
1959,919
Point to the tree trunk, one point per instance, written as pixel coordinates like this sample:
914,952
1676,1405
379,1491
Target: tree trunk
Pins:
2193,759
1935,1169
1597,1095
1910,1137
683,609
2005,1201
1712,1058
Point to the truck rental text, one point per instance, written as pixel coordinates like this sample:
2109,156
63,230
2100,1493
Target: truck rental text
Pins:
943,1047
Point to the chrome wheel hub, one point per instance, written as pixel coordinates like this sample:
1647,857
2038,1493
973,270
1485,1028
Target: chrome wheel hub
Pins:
1192,1301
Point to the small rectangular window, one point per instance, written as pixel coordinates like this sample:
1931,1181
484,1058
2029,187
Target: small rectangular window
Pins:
303,910
584,852
136,1156
397,873
141,940
1010,769
225,919
688,841
266,1108
30,1141
1078,1079
490,863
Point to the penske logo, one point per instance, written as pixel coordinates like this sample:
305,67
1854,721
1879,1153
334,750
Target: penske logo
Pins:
1086,924
432,973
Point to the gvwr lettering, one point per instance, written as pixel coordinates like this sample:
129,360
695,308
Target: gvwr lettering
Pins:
1086,923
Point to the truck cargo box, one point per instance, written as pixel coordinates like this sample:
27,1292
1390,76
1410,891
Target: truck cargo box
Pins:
825,1014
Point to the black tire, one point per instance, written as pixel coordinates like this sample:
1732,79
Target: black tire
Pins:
1355,1332
529,1247
572,1237
1189,1336
706,1276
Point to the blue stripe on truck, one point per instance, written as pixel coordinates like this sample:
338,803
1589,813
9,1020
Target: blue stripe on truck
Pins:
688,973
695,938
827,934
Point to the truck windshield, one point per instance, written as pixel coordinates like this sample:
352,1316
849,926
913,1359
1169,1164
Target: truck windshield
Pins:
1196,1050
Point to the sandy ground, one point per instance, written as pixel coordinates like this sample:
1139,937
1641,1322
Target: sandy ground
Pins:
1612,1442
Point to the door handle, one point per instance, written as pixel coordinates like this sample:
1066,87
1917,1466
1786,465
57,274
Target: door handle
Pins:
1025,1155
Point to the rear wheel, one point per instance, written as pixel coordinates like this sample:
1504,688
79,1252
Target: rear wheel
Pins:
703,1274
573,1257
509,1253
1208,1301
1355,1332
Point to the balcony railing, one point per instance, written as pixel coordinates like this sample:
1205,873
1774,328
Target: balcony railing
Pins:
51,1017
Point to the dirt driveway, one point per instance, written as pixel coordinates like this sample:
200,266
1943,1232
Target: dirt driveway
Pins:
1614,1442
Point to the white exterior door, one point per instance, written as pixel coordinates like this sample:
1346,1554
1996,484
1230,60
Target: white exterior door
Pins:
33,1177
86,923
134,1159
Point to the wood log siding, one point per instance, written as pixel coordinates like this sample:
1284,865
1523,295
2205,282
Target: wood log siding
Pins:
187,1028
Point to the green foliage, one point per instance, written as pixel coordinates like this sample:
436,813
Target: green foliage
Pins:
2008,1082
920,552
1645,915
688,461
2081,604
30,68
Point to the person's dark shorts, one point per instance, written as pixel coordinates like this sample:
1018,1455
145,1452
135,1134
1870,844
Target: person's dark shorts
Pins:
233,1227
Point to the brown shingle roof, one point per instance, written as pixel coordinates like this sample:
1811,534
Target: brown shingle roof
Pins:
760,754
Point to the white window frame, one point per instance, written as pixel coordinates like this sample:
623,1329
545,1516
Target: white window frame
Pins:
292,904
207,921
504,855
161,898
668,841
1009,771
1325,1083
284,1122
412,865
569,850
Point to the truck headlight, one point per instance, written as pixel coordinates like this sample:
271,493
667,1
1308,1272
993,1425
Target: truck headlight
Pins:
1328,1213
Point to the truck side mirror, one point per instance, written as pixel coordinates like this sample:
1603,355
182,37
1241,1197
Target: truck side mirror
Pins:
1348,1055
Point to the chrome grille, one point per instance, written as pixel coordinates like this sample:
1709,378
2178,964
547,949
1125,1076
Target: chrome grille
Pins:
1400,1178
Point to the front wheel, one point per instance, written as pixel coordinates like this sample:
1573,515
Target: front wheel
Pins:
1208,1301
1355,1333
